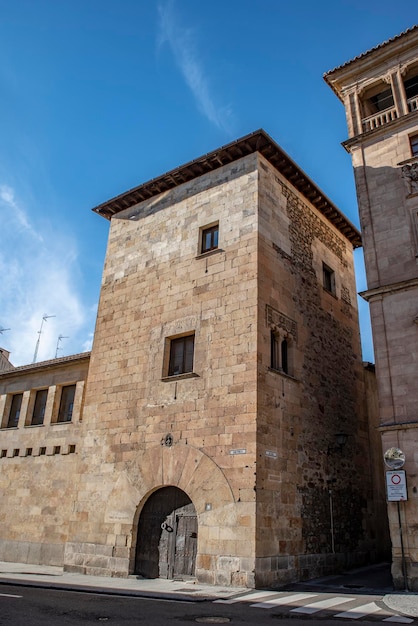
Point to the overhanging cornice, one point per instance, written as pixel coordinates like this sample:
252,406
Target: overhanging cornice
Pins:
258,141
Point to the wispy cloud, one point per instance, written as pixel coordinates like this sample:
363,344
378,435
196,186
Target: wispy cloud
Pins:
38,269
182,42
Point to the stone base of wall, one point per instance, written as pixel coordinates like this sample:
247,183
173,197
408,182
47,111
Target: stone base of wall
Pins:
31,552
276,571
225,570
96,560
398,576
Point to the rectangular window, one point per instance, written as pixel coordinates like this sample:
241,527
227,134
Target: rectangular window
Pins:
328,278
39,407
29,451
414,145
210,237
65,412
181,355
42,451
3,453
14,412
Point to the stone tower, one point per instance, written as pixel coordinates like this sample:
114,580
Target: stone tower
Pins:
379,90
226,359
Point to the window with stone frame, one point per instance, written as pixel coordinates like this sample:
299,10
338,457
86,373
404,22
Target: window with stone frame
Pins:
209,238
14,412
181,355
283,341
414,145
279,352
328,277
66,407
38,412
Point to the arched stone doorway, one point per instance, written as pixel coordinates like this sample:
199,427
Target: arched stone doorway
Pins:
166,543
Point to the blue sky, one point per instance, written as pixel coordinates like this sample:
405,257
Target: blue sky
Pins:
98,96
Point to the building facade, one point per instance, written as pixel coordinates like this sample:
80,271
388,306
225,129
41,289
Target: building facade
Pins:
379,90
40,413
226,432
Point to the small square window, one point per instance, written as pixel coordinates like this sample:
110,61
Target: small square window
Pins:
16,452
71,448
42,451
29,451
181,355
414,145
210,238
57,449
3,453
328,279
65,412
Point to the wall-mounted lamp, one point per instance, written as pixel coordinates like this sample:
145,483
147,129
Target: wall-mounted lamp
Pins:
341,439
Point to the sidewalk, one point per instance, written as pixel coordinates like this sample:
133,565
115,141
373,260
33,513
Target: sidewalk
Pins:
47,576
372,580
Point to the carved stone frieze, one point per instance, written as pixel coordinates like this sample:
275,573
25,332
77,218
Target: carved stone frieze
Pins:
410,174
276,319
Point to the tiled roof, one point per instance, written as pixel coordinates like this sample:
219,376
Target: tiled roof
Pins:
363,54
45,364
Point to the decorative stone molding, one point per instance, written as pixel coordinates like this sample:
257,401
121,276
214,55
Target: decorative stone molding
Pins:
276,319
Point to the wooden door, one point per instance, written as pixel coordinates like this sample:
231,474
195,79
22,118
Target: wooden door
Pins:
167,535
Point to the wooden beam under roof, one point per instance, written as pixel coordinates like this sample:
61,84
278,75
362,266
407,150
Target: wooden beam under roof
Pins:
258,141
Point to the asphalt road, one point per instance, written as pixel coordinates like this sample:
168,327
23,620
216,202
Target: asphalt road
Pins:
30,606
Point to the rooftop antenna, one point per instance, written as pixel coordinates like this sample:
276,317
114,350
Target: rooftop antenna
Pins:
44,318
60,338
3,329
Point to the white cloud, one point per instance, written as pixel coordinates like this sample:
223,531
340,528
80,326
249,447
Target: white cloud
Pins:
38,269
182,43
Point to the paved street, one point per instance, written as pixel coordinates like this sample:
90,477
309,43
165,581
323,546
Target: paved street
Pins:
30,606
349,606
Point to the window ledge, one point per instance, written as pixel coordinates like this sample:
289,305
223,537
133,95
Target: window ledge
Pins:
209,253
167,379
331,293
61,423
281,373
10,428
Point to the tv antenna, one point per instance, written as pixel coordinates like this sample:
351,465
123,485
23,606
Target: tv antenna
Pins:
44,319
60,338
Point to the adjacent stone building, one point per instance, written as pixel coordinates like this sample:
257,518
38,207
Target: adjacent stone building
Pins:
225,430
379,90
40,413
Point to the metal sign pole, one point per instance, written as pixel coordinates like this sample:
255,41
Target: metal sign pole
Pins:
405,578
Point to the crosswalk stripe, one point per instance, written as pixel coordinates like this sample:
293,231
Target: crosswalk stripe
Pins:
399,619
314,607
249,597
360,611
295,597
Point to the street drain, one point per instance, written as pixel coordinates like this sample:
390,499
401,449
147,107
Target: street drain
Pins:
212,620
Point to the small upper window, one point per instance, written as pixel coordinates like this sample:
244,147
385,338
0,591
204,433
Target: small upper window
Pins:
14,412
65,412
39,407
181,355
414,145
328,278
210,238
